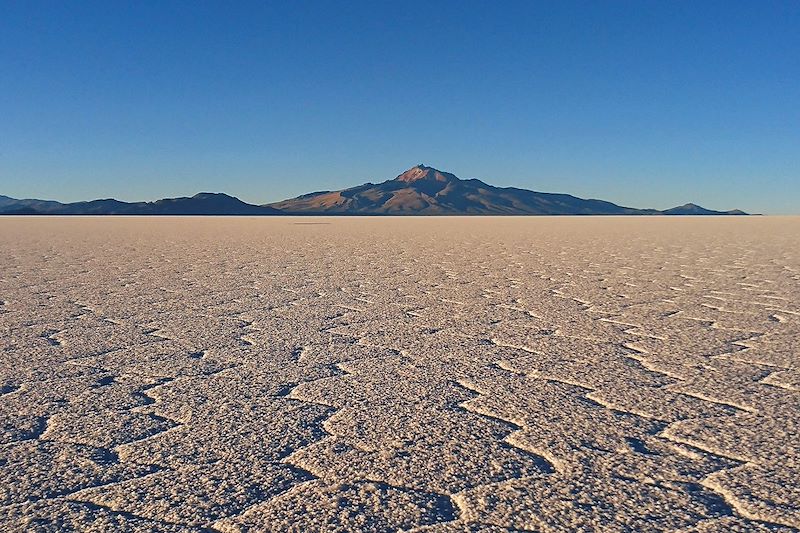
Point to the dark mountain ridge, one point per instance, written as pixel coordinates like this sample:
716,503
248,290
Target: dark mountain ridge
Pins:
203,203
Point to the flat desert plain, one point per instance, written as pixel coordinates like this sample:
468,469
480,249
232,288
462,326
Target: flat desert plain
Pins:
382,374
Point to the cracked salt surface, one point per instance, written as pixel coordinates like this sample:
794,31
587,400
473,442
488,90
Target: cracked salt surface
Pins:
380,374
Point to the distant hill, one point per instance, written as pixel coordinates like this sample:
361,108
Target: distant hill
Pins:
420,190
424,190
12,204
694,209
203,203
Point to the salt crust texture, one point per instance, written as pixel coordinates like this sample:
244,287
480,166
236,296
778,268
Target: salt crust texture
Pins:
380,374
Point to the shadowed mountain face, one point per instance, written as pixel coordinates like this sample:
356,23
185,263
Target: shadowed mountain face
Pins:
421,190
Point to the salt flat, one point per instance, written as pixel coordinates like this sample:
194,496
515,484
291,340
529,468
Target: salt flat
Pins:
378,374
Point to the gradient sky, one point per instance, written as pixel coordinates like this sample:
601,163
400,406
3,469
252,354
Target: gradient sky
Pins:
647,104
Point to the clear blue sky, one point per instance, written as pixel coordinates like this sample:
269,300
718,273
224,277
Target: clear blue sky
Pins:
648,104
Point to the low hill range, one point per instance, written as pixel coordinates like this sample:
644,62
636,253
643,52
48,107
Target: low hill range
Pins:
421,190
203,203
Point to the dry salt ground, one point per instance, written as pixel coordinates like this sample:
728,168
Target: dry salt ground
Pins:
383,374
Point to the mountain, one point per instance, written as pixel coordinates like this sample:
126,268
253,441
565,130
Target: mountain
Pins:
12,204
420,190
206,203
203,203
694,209
424,190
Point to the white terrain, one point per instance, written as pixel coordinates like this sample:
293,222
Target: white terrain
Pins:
384,374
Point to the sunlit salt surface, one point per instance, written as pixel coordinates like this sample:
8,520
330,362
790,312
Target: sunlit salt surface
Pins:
378,374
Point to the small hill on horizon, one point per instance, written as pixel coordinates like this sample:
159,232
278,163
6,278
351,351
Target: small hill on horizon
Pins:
694,209
420,190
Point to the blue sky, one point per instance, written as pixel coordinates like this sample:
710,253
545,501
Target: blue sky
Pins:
648,104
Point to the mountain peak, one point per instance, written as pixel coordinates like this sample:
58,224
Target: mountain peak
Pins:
422,172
